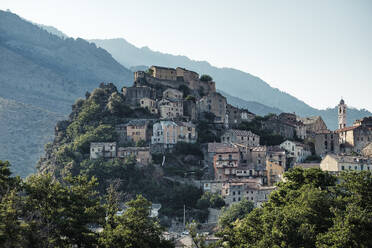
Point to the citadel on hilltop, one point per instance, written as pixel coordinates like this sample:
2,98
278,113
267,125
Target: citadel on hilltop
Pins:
249,153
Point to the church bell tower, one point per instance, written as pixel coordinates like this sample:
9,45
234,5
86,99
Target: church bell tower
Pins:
342,114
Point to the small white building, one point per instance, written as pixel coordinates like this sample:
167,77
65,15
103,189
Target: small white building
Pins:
296,150
102,150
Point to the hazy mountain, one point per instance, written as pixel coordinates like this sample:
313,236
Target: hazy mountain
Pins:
41,75
234,82
24,130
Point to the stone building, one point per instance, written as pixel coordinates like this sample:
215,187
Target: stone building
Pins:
168,133
240,137
337,163
172,94
174,78
102,150
325,142
142,155
213,103
149,104
225,161
235,191
163,73
296,150
291,120
170,108
235,115
133,95
355,137
274,172
313,124
279,127
135,130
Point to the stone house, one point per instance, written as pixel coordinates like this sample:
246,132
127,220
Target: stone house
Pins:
240,137
213,103
102,150
133,95
326,141
172,94
170,108
291,120
276,154
142,155
274,172
337,163
225,162
168,133
279,127
235,191
235,115
357,137
149,104
135,130
296,150
313,124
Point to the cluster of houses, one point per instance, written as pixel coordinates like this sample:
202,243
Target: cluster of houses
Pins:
242,168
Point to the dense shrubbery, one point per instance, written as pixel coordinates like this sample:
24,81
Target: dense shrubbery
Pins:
310,210
45,212
205,78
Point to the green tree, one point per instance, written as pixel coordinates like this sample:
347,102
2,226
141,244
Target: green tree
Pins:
59,214
235,211
205,78
134,229
309,210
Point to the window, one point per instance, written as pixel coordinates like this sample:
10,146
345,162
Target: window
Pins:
342,167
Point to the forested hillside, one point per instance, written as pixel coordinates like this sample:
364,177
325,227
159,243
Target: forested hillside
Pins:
43,74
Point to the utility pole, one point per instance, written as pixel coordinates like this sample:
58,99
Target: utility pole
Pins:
184,216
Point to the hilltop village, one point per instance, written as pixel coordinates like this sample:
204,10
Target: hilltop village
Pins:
239,164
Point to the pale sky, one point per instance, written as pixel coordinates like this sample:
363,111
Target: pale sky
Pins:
316,50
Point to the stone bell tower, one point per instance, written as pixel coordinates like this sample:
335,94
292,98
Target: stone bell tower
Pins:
341,114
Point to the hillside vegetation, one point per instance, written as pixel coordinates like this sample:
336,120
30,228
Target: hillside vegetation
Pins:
24,129
43,74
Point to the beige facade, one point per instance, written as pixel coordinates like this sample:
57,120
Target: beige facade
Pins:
142,155
137,130
367,151
102,150
186,75
213,103
170,108
149,104
337,163
169,133
240,137
163,73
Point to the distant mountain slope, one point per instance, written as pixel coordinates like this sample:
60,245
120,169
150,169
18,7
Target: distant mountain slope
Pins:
24,130
233,82
41,75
